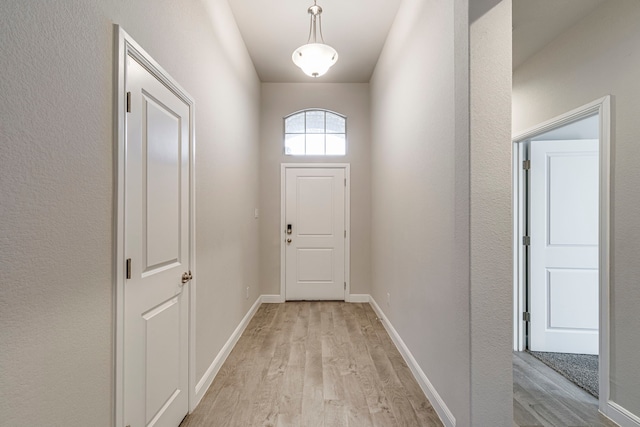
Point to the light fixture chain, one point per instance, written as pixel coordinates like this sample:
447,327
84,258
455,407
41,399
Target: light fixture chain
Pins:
321,36
314,24
310,29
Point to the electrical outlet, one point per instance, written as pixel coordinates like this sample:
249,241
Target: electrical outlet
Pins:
247,297
388,299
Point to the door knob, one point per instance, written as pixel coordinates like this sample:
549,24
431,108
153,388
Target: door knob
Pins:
288,240
186,277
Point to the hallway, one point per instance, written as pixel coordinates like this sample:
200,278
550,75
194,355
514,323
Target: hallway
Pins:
314,364
430,121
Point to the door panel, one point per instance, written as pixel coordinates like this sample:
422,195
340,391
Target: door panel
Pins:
161,145
315,256
157,242
314,206
315,265
571,302
162,327
573,205
564,246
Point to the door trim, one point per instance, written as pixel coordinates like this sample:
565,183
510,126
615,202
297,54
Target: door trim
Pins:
347,219
602,107
125,46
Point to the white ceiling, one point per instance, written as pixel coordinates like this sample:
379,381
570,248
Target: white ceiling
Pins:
272,30
538,22
357,29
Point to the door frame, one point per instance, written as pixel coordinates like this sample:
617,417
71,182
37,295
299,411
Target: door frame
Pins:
602,107
347,220
125,46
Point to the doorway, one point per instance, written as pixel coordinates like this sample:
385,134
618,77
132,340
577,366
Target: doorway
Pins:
315,232
561,246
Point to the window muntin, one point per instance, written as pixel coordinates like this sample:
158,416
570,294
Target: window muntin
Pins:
315,133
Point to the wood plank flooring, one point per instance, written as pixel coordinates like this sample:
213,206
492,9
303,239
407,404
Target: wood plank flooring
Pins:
327,364
314,364
543,397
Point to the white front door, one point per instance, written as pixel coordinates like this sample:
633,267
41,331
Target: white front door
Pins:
564,246
157,237
315,233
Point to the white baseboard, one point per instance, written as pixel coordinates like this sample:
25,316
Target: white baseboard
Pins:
358,298
621,416
276,299
427,388
206,380
271,299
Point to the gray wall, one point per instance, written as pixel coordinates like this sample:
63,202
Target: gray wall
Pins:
57,191
491,224
441,211
280,100
56,206
596,57
420,190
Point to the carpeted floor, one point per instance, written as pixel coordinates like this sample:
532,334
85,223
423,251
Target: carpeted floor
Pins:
581,369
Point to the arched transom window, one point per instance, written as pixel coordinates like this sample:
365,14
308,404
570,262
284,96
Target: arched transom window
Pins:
315,133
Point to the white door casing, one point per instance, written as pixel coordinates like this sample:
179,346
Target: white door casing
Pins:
155,231
601,107
564,232
314,251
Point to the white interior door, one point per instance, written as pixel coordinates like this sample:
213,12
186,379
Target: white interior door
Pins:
564,246
315,245
157,242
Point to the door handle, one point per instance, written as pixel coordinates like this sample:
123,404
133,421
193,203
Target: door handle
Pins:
288,240
186,277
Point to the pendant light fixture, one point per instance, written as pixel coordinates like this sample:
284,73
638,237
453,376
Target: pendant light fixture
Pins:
315,58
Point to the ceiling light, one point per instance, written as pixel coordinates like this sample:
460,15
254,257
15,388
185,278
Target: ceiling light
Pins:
315,58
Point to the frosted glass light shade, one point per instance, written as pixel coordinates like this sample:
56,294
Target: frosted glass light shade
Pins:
315,59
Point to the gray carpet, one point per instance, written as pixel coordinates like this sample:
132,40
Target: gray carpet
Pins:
581,369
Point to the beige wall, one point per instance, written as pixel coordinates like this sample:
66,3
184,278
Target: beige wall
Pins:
280,100
57,192
597,57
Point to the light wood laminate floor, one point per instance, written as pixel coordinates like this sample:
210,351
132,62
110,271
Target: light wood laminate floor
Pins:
314,364
543,397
